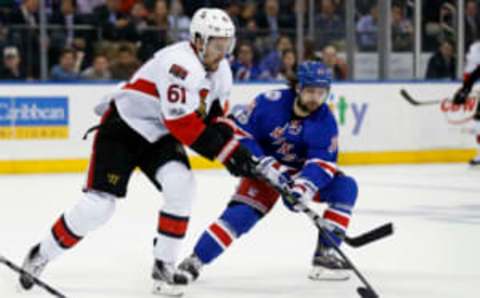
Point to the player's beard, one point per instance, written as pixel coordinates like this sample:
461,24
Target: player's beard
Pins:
305,108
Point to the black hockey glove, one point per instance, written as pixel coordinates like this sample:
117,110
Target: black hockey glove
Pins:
461,95
241,163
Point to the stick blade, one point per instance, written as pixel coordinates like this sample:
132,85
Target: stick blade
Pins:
366,293
371,236
408,97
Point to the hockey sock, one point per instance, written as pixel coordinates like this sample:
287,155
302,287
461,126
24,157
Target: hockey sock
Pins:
178,188
338,219
236,220
88,214
171,231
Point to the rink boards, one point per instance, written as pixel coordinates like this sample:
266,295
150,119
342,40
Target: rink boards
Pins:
41,125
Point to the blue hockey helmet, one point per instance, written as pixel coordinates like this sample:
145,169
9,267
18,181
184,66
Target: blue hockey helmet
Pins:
314,74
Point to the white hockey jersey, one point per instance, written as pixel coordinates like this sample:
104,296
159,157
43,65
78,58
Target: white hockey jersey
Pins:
169,91
473,57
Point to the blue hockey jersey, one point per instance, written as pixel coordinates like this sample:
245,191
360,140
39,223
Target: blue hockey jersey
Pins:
310,145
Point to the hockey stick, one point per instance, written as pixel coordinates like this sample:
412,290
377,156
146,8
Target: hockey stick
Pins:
37,281
370,236
415,102
365,292
358,241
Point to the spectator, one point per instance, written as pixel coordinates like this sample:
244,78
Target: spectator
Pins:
138,17
115,25
402,30
66,69
125,64
442,64
472,23
330,28
99,70
159,17
69,36
434,15
289,66
68,18
269,24
248,29
157,36
248,13
88,6
26,38
178,21
11,69
127,5
244,67
270,65
332,61
233,10
309,49
367,28
26,13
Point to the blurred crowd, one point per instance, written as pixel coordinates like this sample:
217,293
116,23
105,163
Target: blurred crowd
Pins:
110,39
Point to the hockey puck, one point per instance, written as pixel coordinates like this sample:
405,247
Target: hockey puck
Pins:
366,293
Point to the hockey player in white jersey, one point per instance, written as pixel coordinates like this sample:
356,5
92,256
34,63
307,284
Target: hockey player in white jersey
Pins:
176,98
472,74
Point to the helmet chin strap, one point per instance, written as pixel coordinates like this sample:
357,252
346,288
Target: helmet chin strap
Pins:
202,50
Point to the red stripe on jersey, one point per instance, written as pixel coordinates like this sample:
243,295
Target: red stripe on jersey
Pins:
221,234
226,107
62,234
327,167
336,217
91,167
478,139
186,129
466,76
172,225
143,86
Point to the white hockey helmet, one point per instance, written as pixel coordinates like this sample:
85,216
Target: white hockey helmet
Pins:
211,22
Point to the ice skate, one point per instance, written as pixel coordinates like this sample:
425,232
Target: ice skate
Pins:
475,162
166,281
34,264
190,268
327,265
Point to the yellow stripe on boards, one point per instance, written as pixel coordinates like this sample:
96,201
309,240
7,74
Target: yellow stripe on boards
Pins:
346,158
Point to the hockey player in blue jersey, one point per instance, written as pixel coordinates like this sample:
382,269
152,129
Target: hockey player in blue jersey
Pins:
295,138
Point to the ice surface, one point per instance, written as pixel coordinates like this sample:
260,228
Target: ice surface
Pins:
434,252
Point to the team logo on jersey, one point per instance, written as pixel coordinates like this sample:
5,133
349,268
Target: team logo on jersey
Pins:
202,108
178,71
286,151
273,95
278,132
295,127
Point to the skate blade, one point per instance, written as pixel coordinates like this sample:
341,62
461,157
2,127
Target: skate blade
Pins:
474,164
162,288
323,274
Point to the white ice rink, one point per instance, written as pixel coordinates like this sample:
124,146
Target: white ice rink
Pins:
435,251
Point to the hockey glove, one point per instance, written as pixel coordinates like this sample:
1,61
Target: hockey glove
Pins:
274,172
299,194
461,95
241,162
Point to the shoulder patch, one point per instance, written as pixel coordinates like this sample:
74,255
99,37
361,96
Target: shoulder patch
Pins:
178,71
273,95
